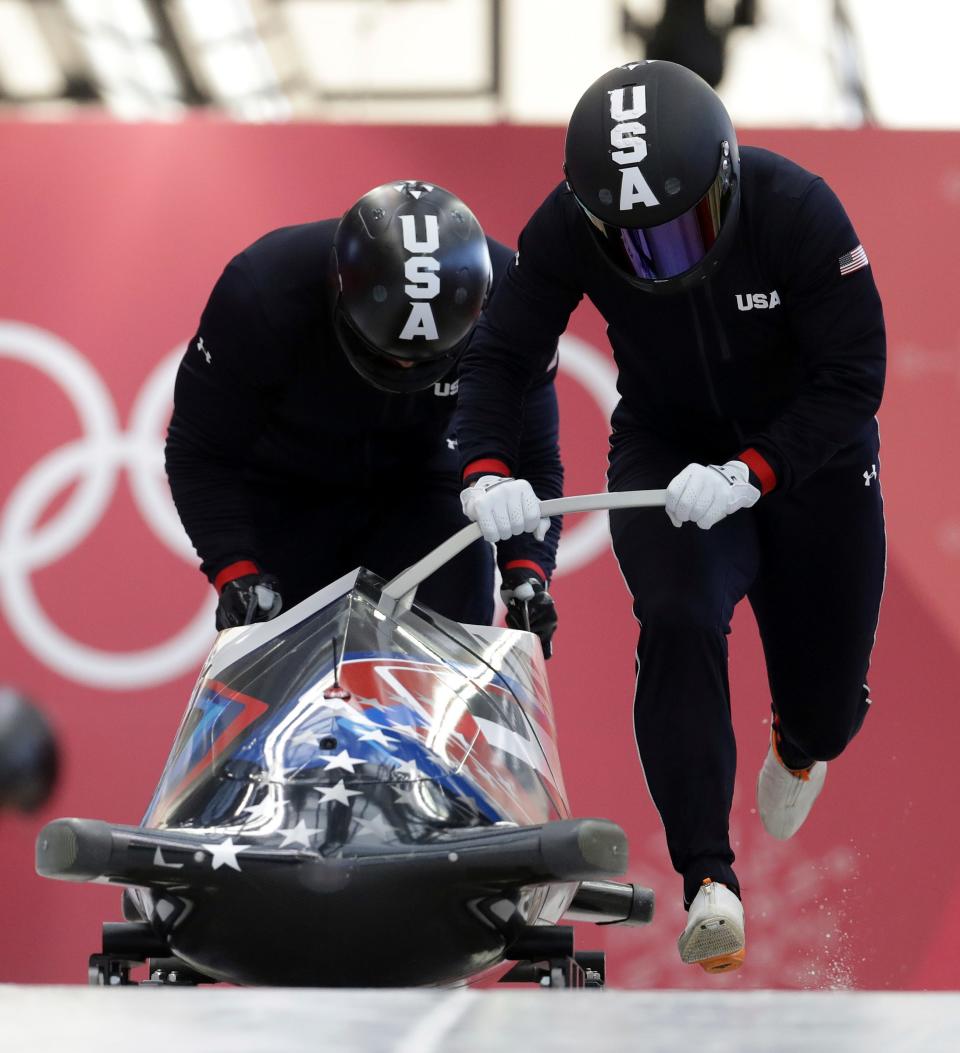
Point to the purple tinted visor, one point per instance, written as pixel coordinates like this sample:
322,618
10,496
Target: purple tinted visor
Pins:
672,248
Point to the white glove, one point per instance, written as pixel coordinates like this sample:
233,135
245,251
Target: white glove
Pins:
504,507
705,494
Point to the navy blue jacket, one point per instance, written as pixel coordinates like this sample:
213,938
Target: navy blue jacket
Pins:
778,359
264,392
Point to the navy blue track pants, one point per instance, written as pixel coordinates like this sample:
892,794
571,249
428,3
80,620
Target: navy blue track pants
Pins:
812,563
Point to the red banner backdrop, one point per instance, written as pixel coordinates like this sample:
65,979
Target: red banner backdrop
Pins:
112,237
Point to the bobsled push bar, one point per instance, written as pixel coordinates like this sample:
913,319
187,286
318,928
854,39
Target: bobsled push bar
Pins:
399,593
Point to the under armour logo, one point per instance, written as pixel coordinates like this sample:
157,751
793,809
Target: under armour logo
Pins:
872,474
414,188
203,351
451,444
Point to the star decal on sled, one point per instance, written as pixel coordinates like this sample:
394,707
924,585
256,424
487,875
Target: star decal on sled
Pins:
342,760
225,854
297,835
377,736
338,793
377,827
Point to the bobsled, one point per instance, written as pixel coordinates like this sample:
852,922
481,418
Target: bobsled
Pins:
361,793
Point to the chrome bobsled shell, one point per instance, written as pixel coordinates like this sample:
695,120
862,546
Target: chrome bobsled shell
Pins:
354,797
336,724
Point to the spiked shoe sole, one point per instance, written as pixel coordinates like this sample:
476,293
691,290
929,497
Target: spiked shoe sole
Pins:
716,944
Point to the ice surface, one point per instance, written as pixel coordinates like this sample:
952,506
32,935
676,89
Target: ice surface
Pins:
230,1020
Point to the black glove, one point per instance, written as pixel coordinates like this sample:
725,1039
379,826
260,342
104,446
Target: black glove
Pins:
248,598
529,605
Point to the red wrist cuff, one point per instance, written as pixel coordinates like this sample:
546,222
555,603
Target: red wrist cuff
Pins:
486,466
235,570
760,468
526,564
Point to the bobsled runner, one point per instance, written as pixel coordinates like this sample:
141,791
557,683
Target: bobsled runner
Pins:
361,793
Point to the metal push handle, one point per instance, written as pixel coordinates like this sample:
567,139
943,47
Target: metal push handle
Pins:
401,590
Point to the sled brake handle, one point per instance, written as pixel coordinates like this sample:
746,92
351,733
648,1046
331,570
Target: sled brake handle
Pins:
400,591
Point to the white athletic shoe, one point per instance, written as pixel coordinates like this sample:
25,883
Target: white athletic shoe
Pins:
713,938
785,797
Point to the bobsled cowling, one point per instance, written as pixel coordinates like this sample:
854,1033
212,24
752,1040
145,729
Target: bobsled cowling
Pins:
407,721
341,772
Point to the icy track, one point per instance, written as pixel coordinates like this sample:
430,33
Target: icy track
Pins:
232,1020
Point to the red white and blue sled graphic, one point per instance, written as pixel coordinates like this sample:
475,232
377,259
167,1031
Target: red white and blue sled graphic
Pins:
361,793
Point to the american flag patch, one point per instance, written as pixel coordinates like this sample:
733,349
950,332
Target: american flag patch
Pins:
853,261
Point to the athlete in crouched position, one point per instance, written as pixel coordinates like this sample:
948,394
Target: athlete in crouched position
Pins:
311,426
749,338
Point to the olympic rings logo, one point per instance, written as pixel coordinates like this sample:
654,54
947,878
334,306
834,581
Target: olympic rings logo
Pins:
94,463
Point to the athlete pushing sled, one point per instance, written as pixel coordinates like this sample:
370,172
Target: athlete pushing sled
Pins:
749,337
312,413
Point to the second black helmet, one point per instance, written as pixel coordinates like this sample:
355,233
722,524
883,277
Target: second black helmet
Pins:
651,157
413,273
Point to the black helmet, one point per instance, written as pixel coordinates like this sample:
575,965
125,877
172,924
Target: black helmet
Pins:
413,273
652,159
28,753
